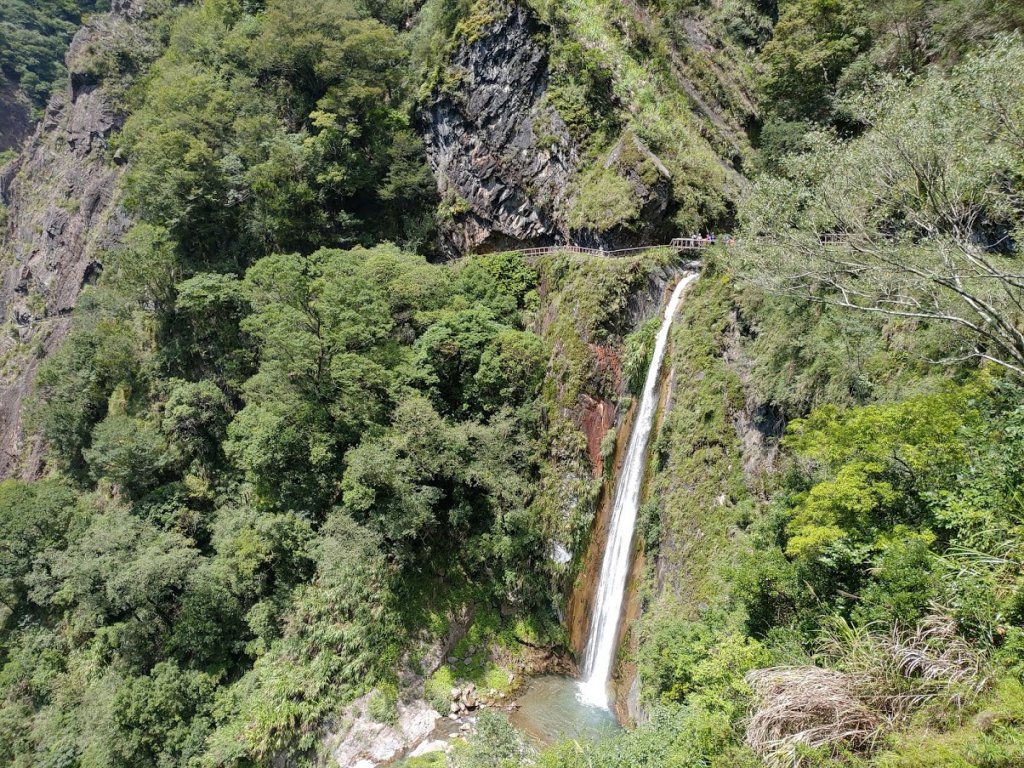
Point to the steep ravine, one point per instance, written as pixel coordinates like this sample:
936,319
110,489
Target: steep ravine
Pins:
624,682
632,291
592,414
602,638
706,378
714,443
585,393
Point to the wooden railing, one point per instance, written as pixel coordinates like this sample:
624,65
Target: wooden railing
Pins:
692,243
678,244
588,251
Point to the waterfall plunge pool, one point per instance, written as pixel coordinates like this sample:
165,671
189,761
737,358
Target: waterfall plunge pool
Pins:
551,709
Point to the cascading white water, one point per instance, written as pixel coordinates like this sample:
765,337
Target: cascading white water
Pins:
611,587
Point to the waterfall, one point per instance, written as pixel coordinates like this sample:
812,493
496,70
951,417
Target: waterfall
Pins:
611,587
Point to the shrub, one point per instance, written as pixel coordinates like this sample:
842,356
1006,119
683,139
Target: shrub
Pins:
383,704
637,356
604,201
131,452
438,689
878,682
496,744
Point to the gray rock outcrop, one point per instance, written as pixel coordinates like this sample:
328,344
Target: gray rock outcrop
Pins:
61,216
15,116
503,158
361,741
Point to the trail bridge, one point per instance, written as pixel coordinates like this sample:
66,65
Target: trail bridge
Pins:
680,244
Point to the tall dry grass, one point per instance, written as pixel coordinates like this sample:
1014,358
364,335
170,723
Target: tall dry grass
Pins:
873,683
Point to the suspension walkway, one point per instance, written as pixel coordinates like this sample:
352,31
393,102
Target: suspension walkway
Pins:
678,244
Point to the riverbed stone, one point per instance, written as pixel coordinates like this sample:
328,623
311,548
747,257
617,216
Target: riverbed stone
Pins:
427,747
365,741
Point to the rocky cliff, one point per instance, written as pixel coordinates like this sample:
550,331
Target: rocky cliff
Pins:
15,116
596,141
503,158
61,216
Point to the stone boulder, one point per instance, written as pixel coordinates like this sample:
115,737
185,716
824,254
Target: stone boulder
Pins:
365,742
465,699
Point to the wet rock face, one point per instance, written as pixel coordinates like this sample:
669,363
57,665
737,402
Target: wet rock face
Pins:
503,158
61,218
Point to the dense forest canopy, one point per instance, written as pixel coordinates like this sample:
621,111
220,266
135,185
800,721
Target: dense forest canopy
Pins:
33,37
289,450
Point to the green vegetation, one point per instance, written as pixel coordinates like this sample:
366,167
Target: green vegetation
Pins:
825,52
605,201
616,72
274,526
34,35
276,132
291,462
853,596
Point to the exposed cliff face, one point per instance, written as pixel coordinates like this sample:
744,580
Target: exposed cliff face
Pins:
650,148
61,217
15,116
502,157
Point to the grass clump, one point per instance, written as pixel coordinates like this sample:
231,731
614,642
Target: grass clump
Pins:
383,704
438,689
605,200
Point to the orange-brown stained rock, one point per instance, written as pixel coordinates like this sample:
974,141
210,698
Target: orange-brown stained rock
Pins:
599,415
581,597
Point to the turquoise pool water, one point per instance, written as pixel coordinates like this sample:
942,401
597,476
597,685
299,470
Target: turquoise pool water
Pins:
551,710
